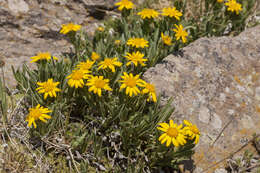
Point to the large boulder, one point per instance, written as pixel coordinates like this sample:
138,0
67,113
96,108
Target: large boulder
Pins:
215,83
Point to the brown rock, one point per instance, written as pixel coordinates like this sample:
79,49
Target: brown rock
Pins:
214,83
32,26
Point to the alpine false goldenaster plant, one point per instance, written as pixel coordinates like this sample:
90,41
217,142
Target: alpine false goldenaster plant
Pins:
109,63
166,39
192,131
180,33
101,29
97,83
117,42
233,5
85,66
124,4
49,88
135,58
173,133
42,56
76,78
37,113
131,84
150,89
66,28
137,42
148,13
95,56
171,12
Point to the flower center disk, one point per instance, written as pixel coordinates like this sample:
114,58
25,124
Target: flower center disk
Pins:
77,75
194,129
108,62
99,83
150,88
172,132
131,82
49,87
35,113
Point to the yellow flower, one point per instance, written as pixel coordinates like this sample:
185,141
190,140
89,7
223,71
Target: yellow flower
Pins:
220,1
135,57
85,66
171,12
38,112
149,88
48,88
233,6
173,133
166,39
97,83
137,42
76,78
66,28
117,42
95,56
148,13
109,63
125,4
131,82
180,33
42,56
192,131
101,29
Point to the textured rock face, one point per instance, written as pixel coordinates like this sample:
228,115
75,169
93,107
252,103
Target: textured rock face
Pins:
31,26
215,83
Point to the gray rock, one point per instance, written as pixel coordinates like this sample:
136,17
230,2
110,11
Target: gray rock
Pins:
18,6
214,83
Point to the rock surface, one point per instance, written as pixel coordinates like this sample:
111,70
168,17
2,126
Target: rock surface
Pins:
215,83
32,26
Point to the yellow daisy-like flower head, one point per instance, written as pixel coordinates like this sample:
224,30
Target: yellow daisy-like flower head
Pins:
37,113
109,63
95,56
101,29
85,66
124,4
137,42
135,58
97,83
192,131
131,84
180,33
173,133
233,5
150,89
76,78
49,88
166,39
66,28
42,56
148,13
171,12
117,42
220,1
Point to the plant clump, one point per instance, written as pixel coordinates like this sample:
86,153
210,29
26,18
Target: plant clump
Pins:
96,95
